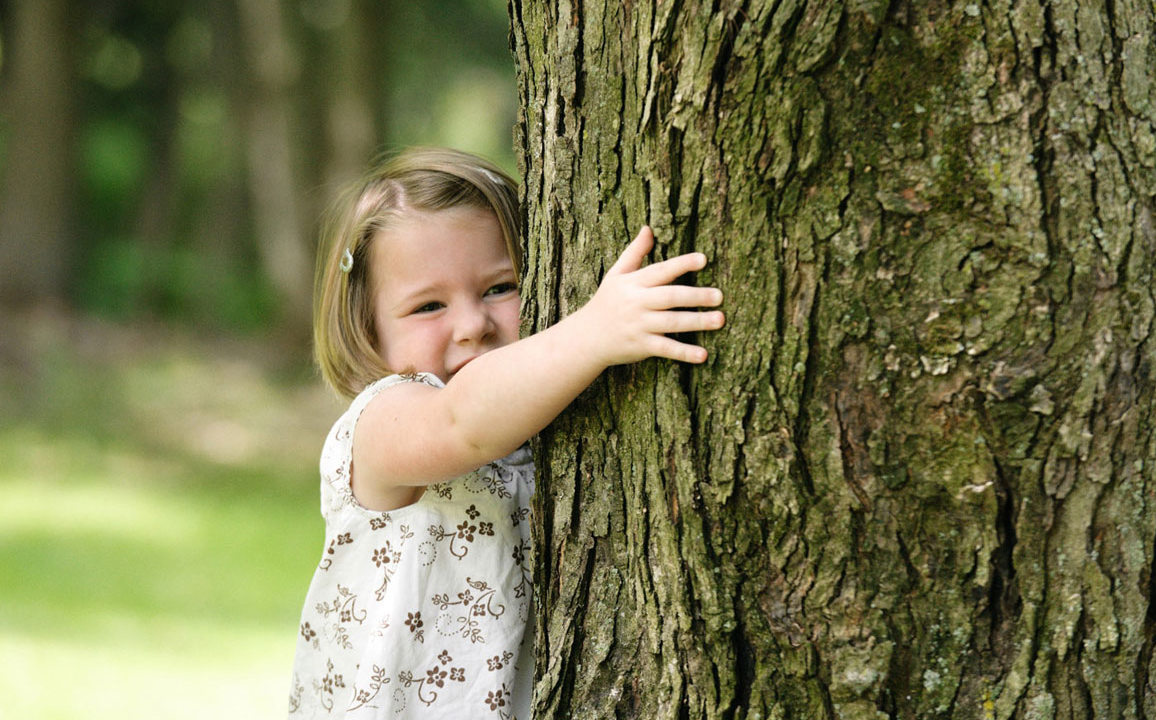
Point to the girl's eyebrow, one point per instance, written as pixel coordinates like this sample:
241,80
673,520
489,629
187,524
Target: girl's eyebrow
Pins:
502,271
415,295
408,302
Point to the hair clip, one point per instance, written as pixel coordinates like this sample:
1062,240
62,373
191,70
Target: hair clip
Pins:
346,261
493,177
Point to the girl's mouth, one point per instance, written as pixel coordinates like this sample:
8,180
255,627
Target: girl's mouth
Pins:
454,370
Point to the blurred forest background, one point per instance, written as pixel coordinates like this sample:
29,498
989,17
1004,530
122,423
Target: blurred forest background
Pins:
163,165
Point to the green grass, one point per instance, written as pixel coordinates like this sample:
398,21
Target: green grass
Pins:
158,529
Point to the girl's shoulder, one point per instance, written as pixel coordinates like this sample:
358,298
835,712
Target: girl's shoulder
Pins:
371,390
357,406
337,452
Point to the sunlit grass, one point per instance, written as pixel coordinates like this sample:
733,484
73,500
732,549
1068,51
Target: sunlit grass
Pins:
123,595
63,679
154,557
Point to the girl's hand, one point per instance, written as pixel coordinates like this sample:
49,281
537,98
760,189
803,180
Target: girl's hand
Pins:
635,307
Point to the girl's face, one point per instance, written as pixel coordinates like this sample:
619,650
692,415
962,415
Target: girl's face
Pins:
444,289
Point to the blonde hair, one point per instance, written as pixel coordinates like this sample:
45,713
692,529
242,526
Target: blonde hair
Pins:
423,179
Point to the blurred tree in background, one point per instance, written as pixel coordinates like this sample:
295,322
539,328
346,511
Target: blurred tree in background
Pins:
169,159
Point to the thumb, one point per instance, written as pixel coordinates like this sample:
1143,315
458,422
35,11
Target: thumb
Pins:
635,253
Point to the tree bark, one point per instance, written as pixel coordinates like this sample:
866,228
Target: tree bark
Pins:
916,477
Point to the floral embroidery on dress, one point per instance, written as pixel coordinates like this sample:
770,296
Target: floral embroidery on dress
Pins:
363,696
490,482
327,685
499,701
345,608
525,584
474,607
415,625
427,553
295,696
336,542
386,559
435,678
309,634
498,662
464,532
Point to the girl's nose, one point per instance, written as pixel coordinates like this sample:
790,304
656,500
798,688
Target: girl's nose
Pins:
472,324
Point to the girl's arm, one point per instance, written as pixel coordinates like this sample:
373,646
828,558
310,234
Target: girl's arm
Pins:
413,434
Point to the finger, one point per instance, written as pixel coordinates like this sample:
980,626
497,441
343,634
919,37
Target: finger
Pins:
672,349
635,253
665,272
684,296
687,321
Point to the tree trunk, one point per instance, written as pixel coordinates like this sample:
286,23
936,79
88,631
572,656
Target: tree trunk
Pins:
272,158
36,169
914,479
352,89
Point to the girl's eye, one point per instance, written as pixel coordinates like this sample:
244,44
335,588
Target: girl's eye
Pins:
502,288
428,307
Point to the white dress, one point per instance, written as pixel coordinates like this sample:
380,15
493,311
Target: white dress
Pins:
423,611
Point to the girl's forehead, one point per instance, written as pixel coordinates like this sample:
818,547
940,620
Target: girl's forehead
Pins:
437,234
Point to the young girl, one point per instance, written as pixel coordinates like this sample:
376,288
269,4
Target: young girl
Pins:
420,605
